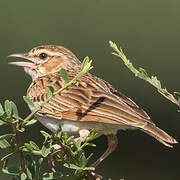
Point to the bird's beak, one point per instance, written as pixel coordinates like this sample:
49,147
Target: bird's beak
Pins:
21,63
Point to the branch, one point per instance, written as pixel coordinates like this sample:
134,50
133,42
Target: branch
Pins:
142,74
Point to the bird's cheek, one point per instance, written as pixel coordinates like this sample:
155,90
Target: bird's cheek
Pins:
53,65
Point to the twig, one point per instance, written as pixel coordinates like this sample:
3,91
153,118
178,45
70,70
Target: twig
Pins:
142,74
17,139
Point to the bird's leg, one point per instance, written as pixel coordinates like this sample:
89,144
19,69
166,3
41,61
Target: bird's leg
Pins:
112,144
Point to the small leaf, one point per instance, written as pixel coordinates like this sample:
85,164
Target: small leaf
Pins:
46,149
8,108
4,144
143,71
178,96
142,74
6,136
178,100
7,156
82,159
59,133
40,161
64,74
72,166
85,62
28,101
156,81
50,90
52,175
177,93
2,123
1,110
45,104
46,135
34,145
15,110
11,170
28,147
49,93
29,174
31,166
23,176
89,168
78,143
91,144
31,122
86,65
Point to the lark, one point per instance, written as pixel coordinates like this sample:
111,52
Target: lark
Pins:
90,103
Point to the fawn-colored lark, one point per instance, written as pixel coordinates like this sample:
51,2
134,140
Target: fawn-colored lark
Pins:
91,103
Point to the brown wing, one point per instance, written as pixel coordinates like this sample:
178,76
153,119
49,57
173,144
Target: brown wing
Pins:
90,99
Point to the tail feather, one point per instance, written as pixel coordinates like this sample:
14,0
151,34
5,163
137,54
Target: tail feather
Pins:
159,134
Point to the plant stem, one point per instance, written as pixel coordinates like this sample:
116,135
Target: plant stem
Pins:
18,143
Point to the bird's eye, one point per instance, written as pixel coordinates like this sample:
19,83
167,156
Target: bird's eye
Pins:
43,56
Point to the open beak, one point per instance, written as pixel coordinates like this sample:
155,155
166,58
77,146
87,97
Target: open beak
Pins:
22,63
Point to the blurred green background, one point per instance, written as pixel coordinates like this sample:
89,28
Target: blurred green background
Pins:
148,32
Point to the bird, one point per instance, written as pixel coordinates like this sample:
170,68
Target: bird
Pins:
90,103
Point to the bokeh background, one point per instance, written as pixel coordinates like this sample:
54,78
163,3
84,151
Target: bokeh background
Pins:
148,32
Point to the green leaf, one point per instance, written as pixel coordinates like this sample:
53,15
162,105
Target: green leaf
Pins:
86,65
49,93
31,166
23,176
46,149
28,101
64,74
31,122
143,71
12,170
29,174
34,145
4,144
45,104
85,62
177,93
2,123
59,133
7,156
28,147
15,110
52,175
82,159
1,110
91,144
50,90
89,168
6,136
46,135
142,74
78,143
156,81
8,108
72,166
178,96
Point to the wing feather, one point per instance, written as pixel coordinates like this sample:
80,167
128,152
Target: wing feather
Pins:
90,99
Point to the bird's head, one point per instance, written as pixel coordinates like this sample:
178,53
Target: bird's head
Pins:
46,59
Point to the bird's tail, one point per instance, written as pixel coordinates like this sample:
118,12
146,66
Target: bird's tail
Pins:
159,134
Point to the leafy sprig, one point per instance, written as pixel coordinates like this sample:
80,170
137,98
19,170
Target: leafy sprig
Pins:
71,154
142,74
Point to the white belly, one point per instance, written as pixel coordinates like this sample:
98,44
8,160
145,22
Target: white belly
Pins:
73,127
